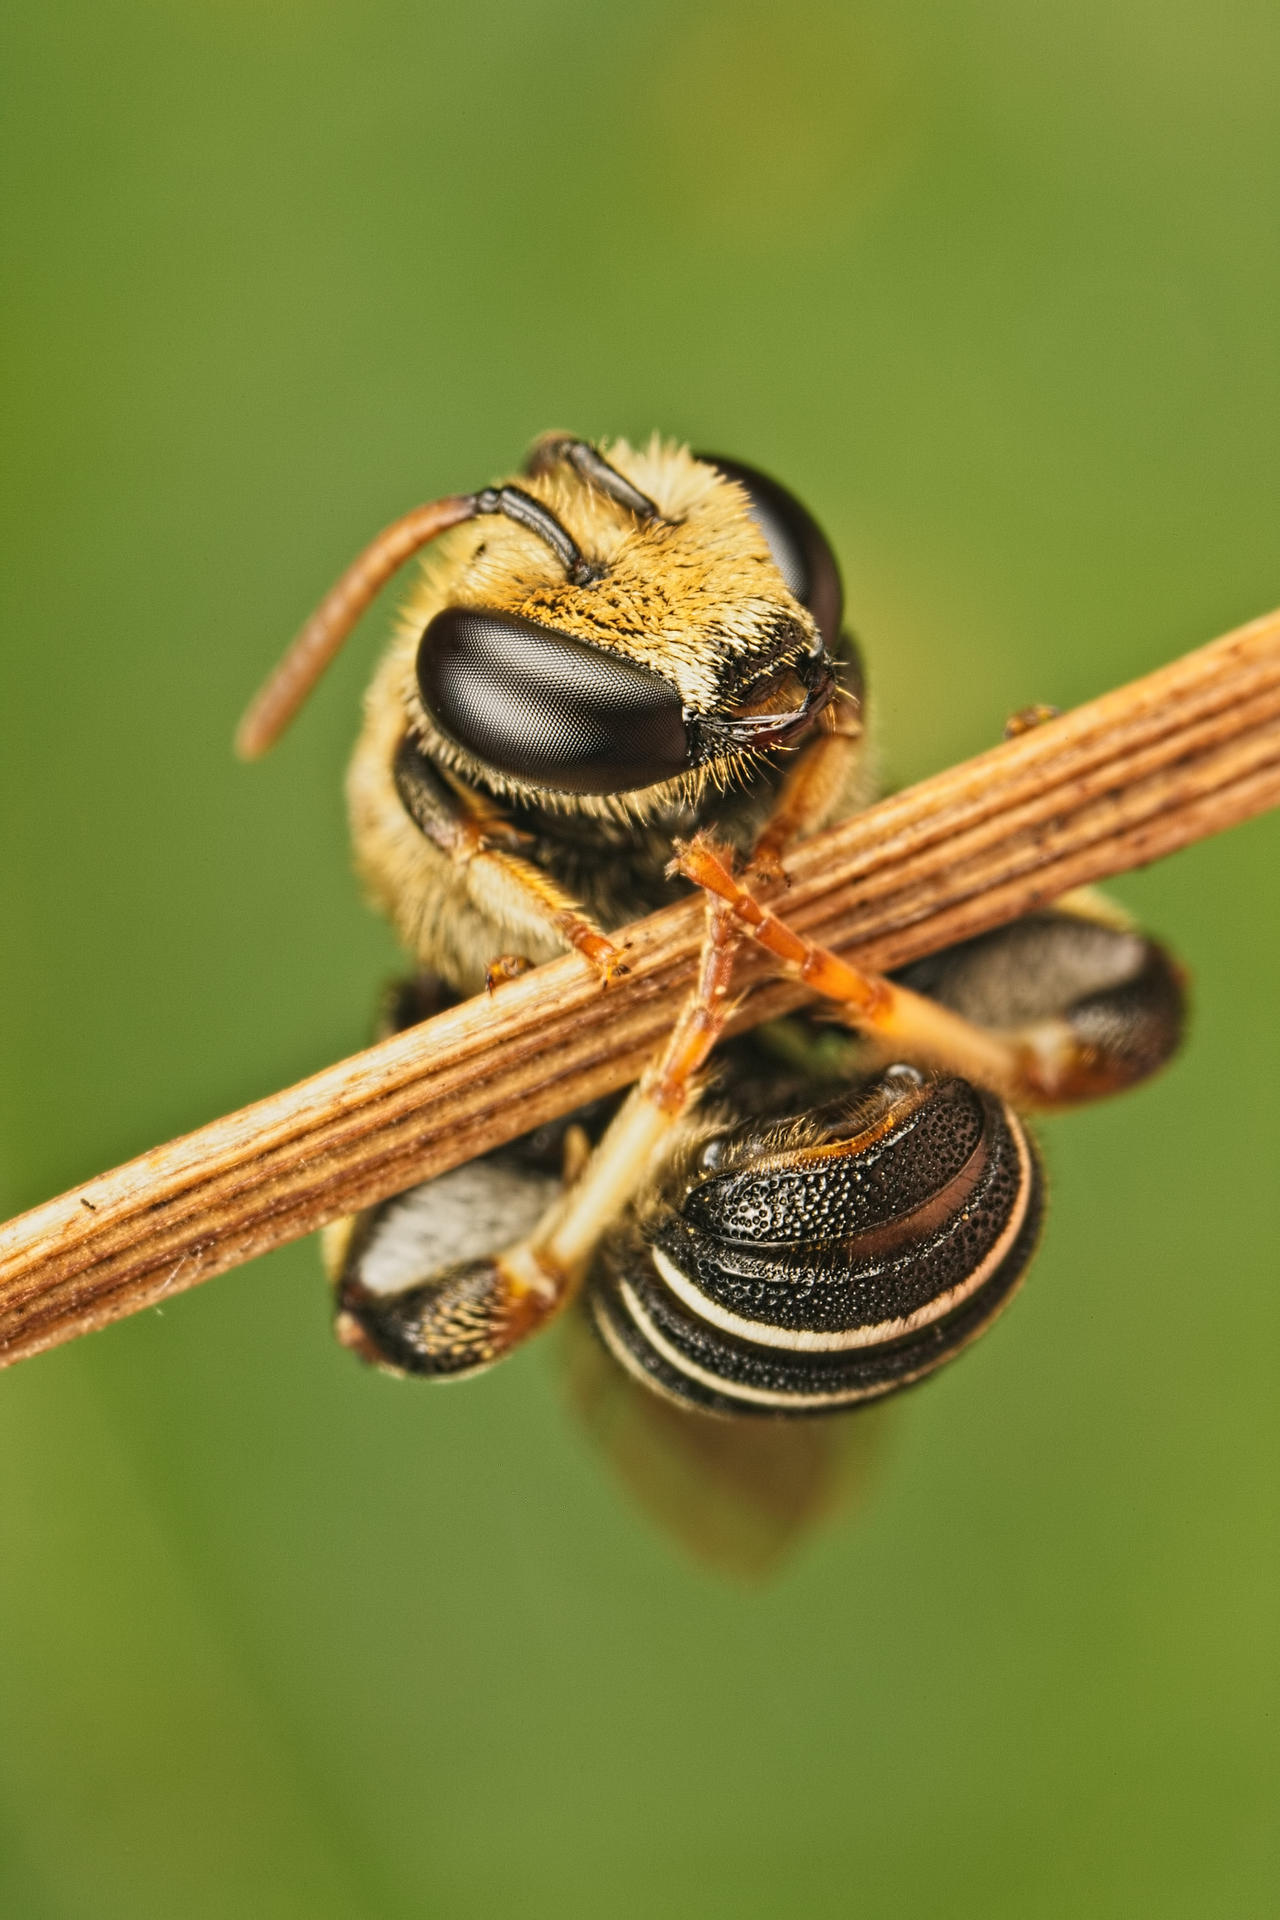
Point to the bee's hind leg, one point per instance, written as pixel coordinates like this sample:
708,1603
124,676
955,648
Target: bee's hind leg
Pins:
450,1277
372,1257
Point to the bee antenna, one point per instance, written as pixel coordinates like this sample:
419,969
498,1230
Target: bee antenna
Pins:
275,705
318,641
525,511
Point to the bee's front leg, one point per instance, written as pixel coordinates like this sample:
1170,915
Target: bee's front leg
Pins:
823,779
477,837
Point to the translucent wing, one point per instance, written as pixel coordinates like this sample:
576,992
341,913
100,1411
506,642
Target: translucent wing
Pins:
740,1494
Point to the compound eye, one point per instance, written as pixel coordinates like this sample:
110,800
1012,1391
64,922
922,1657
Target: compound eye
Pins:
543,707
799,547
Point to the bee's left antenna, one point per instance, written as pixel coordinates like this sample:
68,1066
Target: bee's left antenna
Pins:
319,640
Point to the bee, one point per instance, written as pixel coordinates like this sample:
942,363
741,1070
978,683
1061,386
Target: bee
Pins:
621,654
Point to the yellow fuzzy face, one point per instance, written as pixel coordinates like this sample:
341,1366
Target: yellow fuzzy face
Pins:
692,595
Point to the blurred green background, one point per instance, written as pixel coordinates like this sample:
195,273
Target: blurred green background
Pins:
995,288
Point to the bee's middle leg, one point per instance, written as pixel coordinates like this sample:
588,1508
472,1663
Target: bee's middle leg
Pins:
1083,1038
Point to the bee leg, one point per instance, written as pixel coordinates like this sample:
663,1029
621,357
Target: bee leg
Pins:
820,777
1092,1033
1091,994
477,836
507,966
373,1255
400,1307
404,1272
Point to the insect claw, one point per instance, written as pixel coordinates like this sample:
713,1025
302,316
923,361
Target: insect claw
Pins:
599,952
610,967
507,966
1027,719
766,869
692,858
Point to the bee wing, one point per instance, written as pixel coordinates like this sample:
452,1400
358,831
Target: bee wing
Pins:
739,1494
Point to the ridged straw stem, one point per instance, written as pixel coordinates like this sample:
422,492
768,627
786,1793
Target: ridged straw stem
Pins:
1184,753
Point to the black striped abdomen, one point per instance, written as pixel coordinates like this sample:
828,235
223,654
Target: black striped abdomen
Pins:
805,1274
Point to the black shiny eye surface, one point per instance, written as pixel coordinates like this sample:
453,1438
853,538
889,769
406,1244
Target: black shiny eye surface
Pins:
799,547
544,707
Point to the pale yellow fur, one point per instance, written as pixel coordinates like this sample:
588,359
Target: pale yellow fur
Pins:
683,597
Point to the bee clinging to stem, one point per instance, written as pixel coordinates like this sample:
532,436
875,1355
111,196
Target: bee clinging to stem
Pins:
621,655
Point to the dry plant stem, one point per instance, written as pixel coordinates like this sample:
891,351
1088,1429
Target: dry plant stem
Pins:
1149,768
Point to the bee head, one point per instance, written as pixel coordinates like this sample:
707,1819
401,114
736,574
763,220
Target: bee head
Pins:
623,628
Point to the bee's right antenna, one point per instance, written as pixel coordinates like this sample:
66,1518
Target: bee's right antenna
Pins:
319,640
274,706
